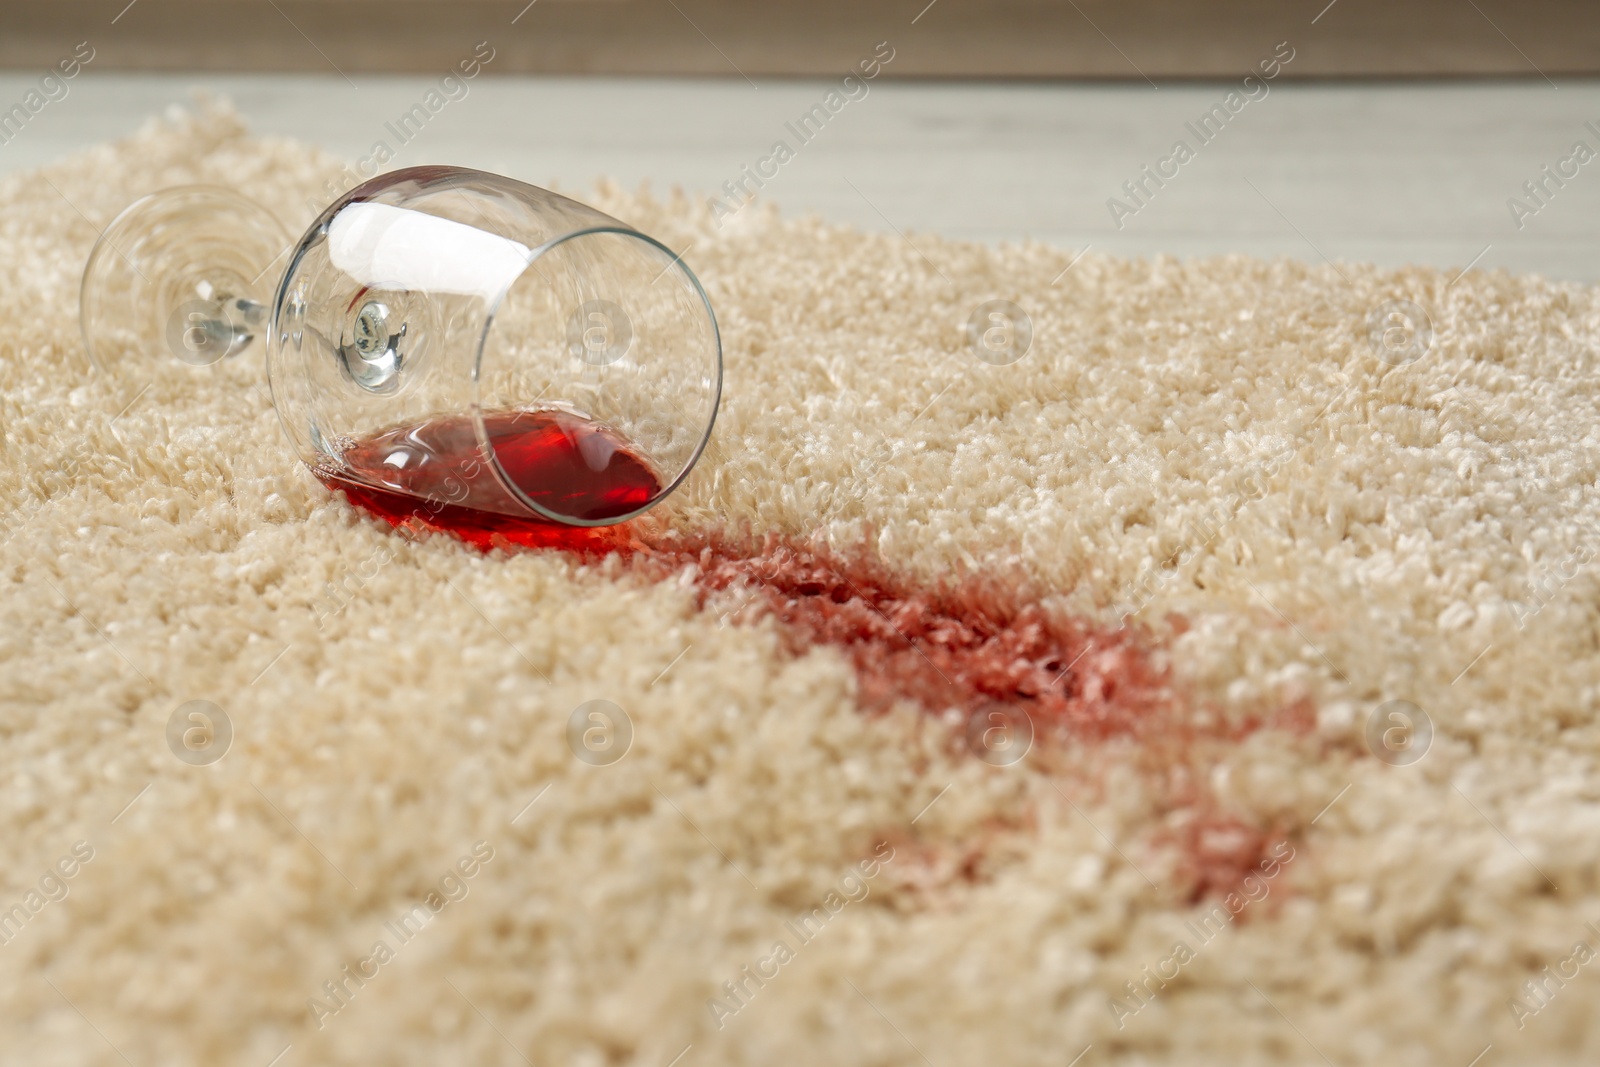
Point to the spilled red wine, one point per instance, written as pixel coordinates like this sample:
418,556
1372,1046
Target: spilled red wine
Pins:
436,473
967,648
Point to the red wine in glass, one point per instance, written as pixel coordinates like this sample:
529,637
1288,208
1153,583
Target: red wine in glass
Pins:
435,472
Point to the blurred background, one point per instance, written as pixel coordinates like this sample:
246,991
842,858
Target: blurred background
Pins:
1444,132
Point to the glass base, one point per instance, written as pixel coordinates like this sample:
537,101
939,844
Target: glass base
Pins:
183,276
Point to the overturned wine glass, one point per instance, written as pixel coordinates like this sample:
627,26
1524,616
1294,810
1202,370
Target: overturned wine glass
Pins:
441,343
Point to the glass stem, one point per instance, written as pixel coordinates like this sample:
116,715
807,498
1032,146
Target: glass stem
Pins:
249,311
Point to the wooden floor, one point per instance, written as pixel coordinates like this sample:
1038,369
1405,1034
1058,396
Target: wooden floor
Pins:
1135,39
1384,173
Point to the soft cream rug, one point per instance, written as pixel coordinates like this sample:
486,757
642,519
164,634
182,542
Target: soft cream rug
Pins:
1297,532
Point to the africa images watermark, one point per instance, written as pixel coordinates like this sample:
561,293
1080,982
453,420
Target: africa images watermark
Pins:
1546,584
1540,991
452,888
337,596
404,129
1142,188
804,928
52,87
1141,992
737,192
53,888
1542,189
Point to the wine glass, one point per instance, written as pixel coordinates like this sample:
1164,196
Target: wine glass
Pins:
442,342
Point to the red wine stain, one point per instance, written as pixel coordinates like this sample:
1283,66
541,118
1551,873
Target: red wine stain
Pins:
959,650
436,475
956,651
962,649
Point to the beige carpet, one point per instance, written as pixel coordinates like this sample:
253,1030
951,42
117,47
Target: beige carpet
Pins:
1302,532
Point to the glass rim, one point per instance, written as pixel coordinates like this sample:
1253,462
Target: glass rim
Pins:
481,430
87,279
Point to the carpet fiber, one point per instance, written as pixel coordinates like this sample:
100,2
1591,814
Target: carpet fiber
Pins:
1200,532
